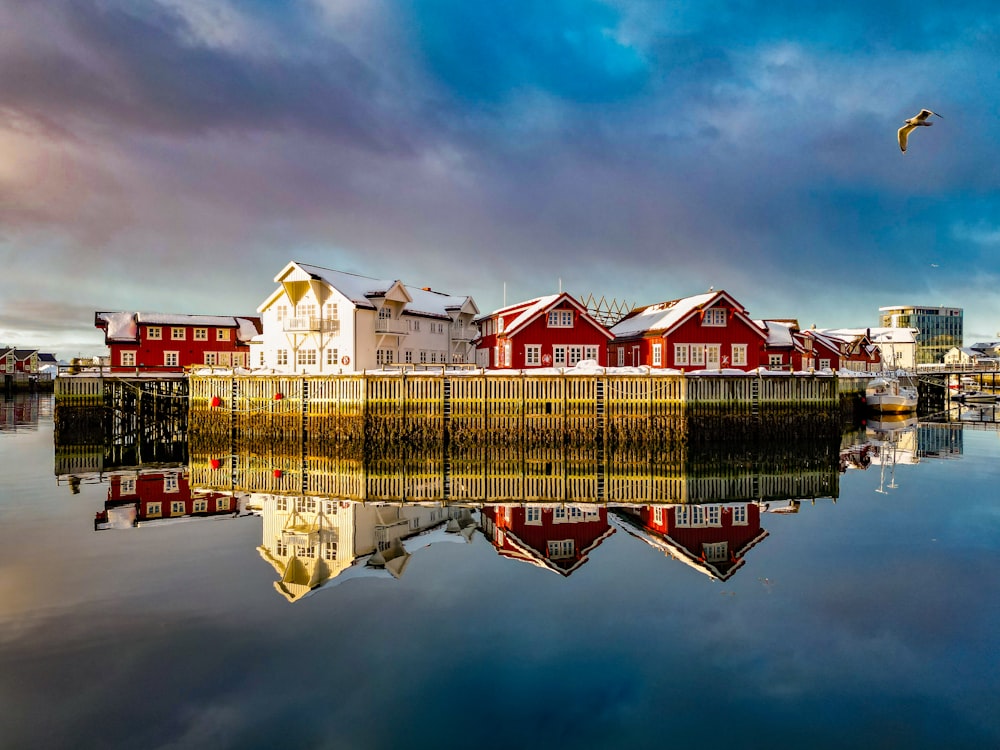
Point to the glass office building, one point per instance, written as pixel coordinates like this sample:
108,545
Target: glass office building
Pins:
939,328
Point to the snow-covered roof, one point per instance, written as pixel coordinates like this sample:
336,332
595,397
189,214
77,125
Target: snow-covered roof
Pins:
520,314
883,335
661,316
779,332
359,289
124,326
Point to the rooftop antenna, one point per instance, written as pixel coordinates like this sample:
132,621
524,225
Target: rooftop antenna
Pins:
505,294
560,285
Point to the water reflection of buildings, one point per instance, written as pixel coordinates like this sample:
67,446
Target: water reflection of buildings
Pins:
21,412
161,495
558,538
712,538
315,542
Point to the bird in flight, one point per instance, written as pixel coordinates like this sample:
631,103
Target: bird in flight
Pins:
912,124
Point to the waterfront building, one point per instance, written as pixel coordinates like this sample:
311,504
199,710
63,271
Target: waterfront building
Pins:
322,321
712,538
938,328
139,497
844,349
709,331
559,539
784,349
552,331
897,346
986,354
147,343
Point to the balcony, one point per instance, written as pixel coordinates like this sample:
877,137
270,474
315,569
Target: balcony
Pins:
387,325
463,333
310,324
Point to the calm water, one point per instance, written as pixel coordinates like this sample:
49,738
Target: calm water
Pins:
868,620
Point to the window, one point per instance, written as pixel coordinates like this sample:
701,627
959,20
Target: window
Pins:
305,357
281,357
154,333
408,356
126,486
559,515
330,310
561,548
384,313
575,355
697,354
658,516
739,355
332,356
201,334
281,312
824,364
591,352
330,551
434,357
680,354
533,515
416,325
222,503
170,359
280,547
128,359
621,356
713,515
210,358
697,515
224,359
200,505
712,352
559,356
774,360
385,356
560,318
178,334
177,508
716,316
532,355
716,552
281,503
682,516
657,355
423,357
170,483
740,515
222,334
153,510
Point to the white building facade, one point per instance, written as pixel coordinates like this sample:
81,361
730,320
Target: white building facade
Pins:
321,321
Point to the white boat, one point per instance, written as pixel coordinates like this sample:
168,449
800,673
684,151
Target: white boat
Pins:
975,397
886,395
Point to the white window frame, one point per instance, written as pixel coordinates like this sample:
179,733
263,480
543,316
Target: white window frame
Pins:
559,356
200,505
697,355
177,507
561,548
682,515
715,551
171,359
824,364
739,515
128,358
713,356
574,355
560,319
154,333
775,360
714,317
658,515
621,356
305,357
222,503
533,516
170,484
532,355
333,356
201,334
211,358
681,354
713,515
154,509
592,352
222,334
739,353
281,357
657,355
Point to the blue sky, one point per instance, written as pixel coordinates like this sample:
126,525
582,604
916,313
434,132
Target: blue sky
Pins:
173,155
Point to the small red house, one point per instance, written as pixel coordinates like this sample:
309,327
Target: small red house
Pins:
140,497
841,351
706,332
156,342
712,538
559,539
783,350
19,360
552,331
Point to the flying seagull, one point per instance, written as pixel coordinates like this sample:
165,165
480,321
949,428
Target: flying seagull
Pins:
913,123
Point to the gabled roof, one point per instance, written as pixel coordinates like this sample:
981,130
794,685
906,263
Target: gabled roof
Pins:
664,317
780,333
361,290
519,315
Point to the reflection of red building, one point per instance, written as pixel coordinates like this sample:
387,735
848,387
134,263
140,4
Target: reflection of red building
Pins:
557,538
135,498
713,538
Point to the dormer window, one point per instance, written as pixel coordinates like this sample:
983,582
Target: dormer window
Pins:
384,313
715,316
560,318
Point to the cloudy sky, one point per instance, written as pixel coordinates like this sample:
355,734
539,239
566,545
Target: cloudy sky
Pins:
173,155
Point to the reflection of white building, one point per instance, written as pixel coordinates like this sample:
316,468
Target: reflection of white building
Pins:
321,321
313,541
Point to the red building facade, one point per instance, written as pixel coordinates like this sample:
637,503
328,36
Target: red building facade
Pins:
155,342
558,539
153,496
706,332
553,331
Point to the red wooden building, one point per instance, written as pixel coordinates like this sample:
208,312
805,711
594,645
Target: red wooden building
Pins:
840,352
559,539
141,497
783,349
156,342
706,332
552,331
712,538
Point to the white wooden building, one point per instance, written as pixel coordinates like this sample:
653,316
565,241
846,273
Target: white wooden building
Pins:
322,321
